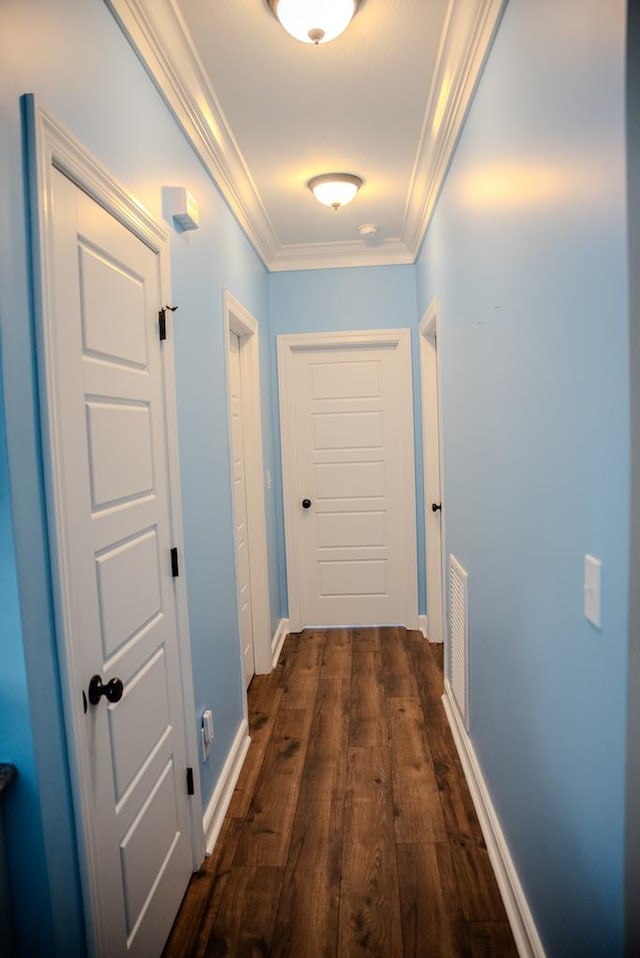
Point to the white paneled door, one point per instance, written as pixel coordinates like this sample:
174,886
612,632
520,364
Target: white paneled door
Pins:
243,569
109,433
349,480
432,463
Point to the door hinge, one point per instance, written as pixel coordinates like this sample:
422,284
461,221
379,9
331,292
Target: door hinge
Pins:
190,788
162,321
175,568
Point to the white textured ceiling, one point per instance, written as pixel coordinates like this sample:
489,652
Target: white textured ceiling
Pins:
264,112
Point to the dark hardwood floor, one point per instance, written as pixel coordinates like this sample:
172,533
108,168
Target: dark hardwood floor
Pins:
351,830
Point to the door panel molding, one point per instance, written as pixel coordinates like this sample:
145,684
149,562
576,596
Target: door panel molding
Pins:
287,347
49,148
238,320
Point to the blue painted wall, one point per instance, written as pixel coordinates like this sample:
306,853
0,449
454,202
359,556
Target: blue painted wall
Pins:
23,822
116,113
334,300
633,711
527,252
633,685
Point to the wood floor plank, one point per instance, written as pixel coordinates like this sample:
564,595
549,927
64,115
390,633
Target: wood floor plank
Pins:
436,650
457,806
478,887
267,831
367,721
397,664
368,773
191,928
491,940
369,896
286,659
481,899
432,919
307,920
337,655
247,912
366,640
325,767
304,671
425,657
416,798
264,702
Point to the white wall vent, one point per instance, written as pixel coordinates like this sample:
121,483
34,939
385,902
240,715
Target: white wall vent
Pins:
458,636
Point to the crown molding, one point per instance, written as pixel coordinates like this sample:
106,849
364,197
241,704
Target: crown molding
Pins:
470,27
337,255
161,39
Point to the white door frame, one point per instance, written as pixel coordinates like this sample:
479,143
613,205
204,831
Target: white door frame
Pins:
50,148
288,345
239,320
433,466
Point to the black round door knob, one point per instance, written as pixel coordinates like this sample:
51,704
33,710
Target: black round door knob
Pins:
436,506
112,691
306,503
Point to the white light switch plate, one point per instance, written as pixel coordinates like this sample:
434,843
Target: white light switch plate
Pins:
207,733
592,580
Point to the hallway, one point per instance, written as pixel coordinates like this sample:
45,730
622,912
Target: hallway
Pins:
351,830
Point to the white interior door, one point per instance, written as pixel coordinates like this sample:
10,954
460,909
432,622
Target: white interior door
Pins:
348,458
111,484
241,531
432,469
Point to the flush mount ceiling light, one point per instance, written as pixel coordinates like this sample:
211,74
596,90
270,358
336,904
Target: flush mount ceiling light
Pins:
314,21
335,189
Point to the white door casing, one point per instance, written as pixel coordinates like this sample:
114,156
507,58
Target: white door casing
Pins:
239,322
241,535
433,470
109,445
346,422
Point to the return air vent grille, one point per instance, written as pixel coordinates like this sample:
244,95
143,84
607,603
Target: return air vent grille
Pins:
458,635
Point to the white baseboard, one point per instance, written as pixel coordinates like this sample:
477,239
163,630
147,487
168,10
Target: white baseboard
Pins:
520,918
422,625
278,641
217,808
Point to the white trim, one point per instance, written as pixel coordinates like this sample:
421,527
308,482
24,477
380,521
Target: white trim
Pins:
239,320
429,340
287,346
158,33
423,625
524,930
217,808
470,28
393,252
278,640
51,147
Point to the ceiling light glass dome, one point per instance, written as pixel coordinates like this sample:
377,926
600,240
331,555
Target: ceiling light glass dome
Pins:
314,21
335,189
